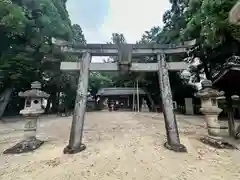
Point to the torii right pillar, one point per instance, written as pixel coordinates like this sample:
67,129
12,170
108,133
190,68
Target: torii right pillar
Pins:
173,140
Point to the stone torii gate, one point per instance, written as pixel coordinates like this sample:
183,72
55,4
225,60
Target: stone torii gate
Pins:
125,53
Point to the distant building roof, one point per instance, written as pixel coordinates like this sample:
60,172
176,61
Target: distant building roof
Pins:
119,91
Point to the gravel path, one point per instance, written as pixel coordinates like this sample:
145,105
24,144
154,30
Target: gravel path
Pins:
120,145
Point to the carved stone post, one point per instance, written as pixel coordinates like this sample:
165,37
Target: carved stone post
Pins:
173,140
75,142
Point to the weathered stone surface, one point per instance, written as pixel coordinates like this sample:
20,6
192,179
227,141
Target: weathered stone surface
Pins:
113,49
35,92
207,90
75,141
24,146
216,142
173,140
139,67
175,147
189,106
70,150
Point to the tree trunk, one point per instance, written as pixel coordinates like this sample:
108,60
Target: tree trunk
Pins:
173,140
57,100
134,101
137,98
48,106
231,122
206,71
75,142
54,102
4,100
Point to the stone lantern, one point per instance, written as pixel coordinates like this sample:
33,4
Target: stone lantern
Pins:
209,106
32,110
144,107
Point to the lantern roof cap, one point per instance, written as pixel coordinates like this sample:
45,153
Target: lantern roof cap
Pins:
207,91
35,92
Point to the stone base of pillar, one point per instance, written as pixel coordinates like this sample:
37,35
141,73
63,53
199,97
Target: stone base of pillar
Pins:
217,142
175,147
24,146
69,150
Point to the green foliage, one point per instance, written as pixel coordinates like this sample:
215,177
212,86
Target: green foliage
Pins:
108,79
26,29
12,18
78,36
207,22
55,20
64,82
23,69
118,38
26,36
99,80
151,36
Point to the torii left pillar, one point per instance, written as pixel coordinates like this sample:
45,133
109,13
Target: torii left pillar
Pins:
173,140
75,142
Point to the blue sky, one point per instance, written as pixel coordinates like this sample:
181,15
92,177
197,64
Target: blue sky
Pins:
100,18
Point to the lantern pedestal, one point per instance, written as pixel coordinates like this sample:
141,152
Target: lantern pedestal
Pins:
31,118
211,117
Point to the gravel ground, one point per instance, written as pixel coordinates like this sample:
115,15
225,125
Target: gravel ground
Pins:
120,145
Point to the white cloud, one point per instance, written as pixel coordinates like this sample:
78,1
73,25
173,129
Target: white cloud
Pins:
133,17
130,17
